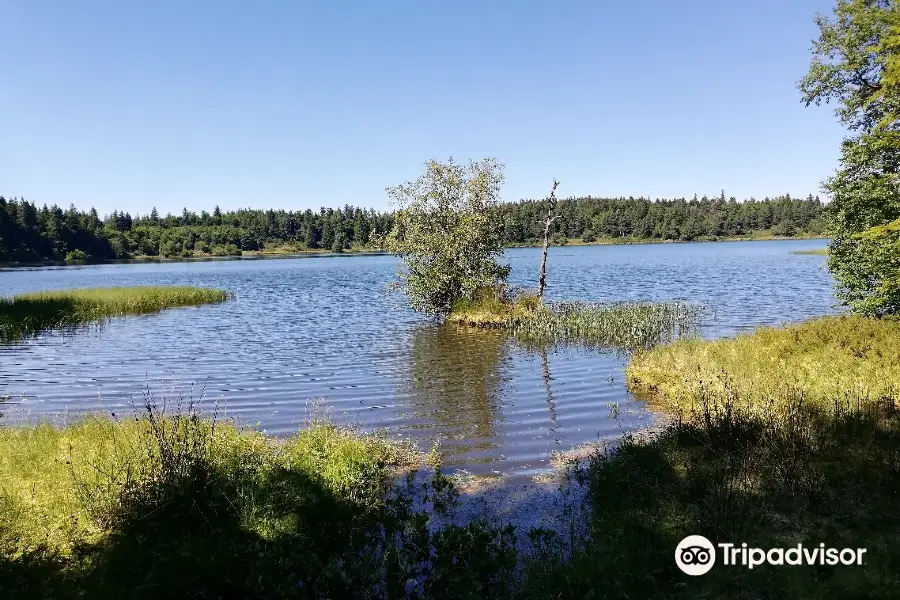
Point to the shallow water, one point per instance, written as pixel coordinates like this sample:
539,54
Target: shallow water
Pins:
323,335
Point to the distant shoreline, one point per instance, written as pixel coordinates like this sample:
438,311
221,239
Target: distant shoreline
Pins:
641,241
283,254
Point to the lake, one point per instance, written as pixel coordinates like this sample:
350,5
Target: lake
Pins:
324,337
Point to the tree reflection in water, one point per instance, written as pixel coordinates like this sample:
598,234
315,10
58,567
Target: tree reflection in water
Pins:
455,382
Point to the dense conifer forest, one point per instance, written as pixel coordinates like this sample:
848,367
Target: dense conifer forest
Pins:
29,233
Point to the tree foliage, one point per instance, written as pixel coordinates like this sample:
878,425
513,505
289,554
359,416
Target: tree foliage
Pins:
447,233
855,65
29,233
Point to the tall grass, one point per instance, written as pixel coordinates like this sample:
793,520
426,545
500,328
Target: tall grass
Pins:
733,476
29,314
177,506
624,325
817,361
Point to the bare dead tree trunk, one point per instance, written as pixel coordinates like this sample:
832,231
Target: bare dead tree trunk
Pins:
551,216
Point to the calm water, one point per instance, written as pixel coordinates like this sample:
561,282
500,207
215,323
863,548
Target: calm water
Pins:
323,335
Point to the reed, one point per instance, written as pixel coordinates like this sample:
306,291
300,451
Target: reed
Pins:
629,326
29,314
624,325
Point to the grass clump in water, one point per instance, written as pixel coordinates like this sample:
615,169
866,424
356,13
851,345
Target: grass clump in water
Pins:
819,361
628,325
29,314
495,309
816,252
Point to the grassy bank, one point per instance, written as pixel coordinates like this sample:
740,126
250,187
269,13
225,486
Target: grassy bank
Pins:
178,506
28,314
181,507
739,478
627,325
818,361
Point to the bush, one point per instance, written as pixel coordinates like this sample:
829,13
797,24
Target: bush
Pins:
868,266
448,233
226,250
76,256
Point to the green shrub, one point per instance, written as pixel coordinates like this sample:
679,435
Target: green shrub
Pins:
448,234
226,250
76,256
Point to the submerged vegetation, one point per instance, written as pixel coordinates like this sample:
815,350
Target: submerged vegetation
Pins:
28,314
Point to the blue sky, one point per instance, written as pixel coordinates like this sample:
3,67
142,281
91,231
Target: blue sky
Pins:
126,105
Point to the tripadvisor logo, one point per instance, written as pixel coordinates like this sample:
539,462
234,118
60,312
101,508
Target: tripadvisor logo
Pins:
696,555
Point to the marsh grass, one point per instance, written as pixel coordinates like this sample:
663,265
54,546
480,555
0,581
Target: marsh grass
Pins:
816,252
29,314
625,325
171,504
818,361
734,476
178,506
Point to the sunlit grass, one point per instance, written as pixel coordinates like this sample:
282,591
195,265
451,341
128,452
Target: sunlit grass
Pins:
816,252
28,314
61,486
816,361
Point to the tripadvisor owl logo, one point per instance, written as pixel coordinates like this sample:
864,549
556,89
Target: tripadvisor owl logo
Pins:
695,555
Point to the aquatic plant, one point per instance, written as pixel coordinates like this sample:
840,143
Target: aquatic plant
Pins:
816,252
29,314
624,325
818,360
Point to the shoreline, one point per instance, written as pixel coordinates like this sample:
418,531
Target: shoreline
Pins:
262,254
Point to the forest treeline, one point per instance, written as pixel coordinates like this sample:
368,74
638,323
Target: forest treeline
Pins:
29,233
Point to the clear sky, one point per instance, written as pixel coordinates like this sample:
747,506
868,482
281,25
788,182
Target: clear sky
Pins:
295,105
